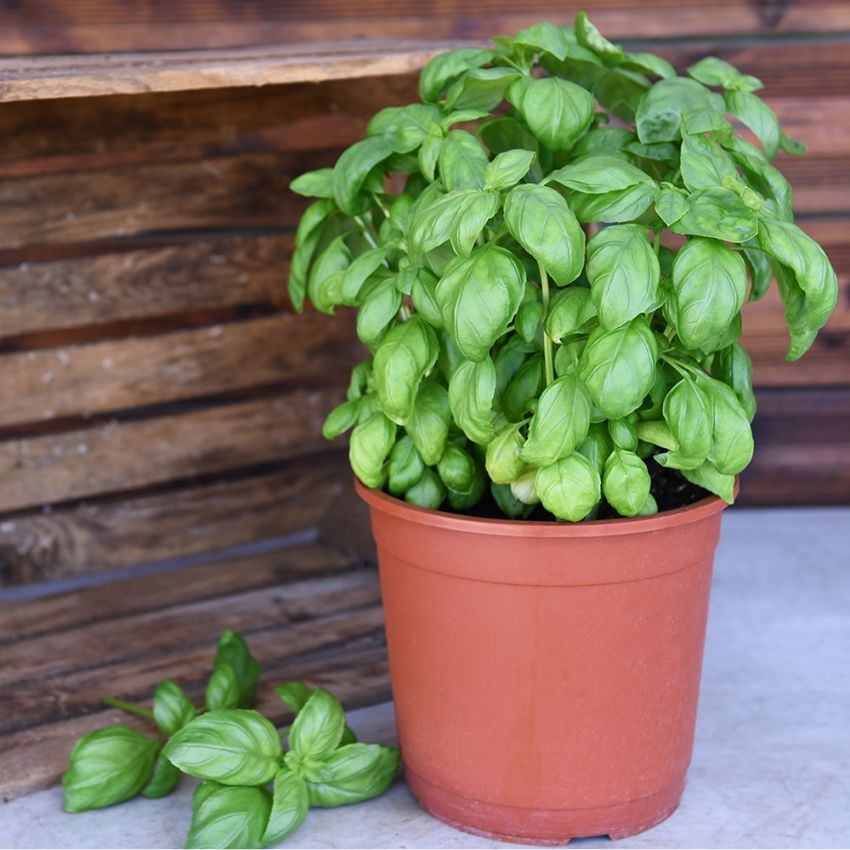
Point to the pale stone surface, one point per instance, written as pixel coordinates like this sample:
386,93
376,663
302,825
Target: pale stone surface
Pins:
772,761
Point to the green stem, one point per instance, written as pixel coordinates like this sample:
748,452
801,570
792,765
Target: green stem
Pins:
364,228
656,242
129,707
384,209
548,350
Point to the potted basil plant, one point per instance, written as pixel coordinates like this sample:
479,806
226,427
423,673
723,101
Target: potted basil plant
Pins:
549,256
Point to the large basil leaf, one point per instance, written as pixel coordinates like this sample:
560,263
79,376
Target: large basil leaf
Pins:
648,63
544,37
556,111
406,354
429,492
809,288
107,767
456,469
360,270
406,466
623,272
621,91
540,220
379,306
689,414
503,460
570,311
423,294
233,747
508,168
626,482
719,214
370,443
570,488
314,184
567,356
462,161
659,115
164,779
353,773
352,169
172,709
560,422
480,89
596,447
478,297
318,727
428,424
732,438
289,807
618,367
410,126
670,204
707,476
446,67
597,174
589,36
613,207
704,163
459,217
471,391
225,817
761,272
754,113
324,283
712,71
710,286
732,366
222,689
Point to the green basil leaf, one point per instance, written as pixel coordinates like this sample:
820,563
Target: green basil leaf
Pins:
428,425
508,168
617,367
462,161
529,316
524,489
624,433
754,113
570,488
446,67
462,116
559,424
299,269
732,366
626,482
224,817
707,476
507,503
314,216
503,460
670,204
567,356
613,207
289,807
324,283
791,146
589,36
379,305
557,112
234,651
381,120
809,289
761,272
340,419
523,389
597,446
172,709
429,492
222,689
318,727
406,466
107,767
458,216
353,773
658,433
621,91
602,140
314,184
296,694
710,286
712,71
163,780
362,268
659,115
570,311
732,438
480,89
406,354
370,443
233,747
429,154
648,63
762,176
544,37
410,126
471,391
540,220
479,297
456,469
352,169
507,134
719,214
595,175
689,414
509,360
704,163
623,272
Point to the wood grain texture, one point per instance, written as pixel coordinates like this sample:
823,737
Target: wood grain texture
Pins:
118,533
130,455
82,380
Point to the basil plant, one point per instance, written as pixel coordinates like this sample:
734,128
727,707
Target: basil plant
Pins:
548,257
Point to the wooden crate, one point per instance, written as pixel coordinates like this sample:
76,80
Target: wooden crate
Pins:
162,473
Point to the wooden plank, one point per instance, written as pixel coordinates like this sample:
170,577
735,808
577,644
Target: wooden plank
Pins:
82,380
120,285
95,26
136,454
49,77
57,612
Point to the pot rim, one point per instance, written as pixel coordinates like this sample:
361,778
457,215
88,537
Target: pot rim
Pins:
381,501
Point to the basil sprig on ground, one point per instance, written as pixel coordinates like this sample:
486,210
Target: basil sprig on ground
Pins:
253,792
549,256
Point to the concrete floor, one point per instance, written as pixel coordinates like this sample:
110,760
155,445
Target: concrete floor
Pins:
771,766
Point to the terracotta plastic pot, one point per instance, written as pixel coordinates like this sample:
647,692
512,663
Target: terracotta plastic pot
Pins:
545,675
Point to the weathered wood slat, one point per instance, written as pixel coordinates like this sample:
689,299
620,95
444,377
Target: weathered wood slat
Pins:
132,285
82,380
119,533
136,454
22,620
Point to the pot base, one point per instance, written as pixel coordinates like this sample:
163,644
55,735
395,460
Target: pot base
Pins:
544,827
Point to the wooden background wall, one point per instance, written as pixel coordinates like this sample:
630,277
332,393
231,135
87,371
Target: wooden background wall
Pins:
160,400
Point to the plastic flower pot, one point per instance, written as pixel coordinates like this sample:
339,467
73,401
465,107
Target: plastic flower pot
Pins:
545,675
